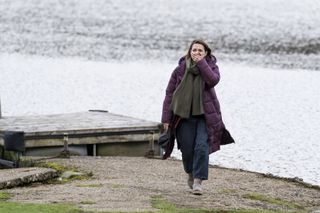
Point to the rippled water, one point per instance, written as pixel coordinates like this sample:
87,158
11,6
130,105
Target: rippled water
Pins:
273,114
283,33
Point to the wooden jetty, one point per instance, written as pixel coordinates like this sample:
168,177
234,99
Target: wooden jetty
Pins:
95,132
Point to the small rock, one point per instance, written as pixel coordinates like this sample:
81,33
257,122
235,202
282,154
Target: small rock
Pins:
298,179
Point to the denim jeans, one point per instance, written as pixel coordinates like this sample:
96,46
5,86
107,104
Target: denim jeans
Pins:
192,137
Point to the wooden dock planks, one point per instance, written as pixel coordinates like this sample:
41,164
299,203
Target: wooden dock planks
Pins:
82,128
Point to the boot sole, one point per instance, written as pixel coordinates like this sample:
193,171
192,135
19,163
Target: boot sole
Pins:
197,192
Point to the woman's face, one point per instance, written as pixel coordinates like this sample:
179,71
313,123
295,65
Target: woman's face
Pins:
197,52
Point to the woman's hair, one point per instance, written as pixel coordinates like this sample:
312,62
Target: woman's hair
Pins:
199,41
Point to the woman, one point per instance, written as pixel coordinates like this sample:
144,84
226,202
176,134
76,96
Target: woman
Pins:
192,112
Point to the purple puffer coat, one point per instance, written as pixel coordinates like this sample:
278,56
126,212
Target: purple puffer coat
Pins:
217,133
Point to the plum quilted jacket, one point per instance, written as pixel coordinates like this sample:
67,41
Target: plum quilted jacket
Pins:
217,133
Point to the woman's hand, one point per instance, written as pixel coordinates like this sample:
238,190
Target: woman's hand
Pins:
197,58
165,127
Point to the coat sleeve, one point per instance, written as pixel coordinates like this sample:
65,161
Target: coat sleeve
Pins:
166,111
209,71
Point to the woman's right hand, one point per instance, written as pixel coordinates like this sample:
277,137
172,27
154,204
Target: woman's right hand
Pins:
165,127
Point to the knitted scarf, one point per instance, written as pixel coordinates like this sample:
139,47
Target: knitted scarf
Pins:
187,98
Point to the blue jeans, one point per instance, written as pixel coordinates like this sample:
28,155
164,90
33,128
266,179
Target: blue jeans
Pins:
192,137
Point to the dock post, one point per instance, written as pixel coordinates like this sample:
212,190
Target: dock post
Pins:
65,142
65,152
94,149
152,141
151,151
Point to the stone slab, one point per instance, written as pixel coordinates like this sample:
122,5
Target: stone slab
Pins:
21,176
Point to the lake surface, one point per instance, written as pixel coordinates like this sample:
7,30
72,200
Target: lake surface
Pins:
276,33
272,114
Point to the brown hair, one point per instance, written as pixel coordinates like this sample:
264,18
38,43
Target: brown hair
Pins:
199,41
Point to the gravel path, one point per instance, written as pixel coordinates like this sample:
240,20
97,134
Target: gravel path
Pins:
128,184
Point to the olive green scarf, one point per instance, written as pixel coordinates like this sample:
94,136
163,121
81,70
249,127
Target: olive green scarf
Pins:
187,98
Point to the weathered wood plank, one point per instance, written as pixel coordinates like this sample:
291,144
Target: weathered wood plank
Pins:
90,140
82,122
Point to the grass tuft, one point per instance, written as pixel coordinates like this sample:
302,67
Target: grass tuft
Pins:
159,203
5,196
58,167
14,207
166,207
88,202
90,185
61,169
276,201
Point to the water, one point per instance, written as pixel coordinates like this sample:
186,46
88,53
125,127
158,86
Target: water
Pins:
276,33
273,114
